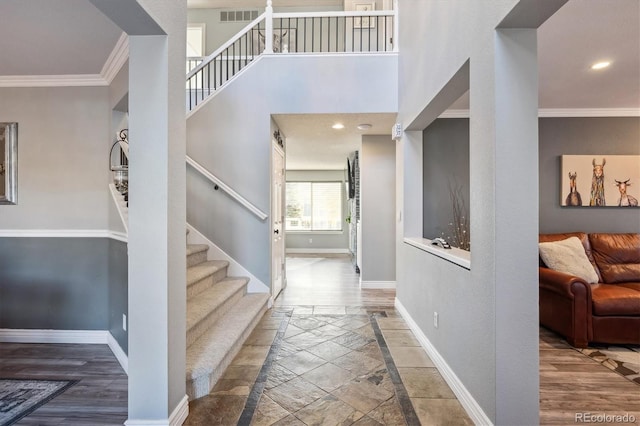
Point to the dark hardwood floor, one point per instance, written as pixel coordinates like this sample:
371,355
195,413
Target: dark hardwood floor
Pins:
100,396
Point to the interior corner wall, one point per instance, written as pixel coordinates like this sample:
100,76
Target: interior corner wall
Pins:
329,240
377,208
595,136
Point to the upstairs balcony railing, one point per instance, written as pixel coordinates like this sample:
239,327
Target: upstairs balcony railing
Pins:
350,32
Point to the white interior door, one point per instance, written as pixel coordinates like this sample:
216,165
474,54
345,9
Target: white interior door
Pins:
277,215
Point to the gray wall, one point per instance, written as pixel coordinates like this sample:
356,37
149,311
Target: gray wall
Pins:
54,283
377,208
62,157
491,309
446,164
230,136
584,136
117,266
338,240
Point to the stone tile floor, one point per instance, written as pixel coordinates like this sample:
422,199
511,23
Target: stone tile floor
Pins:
330,365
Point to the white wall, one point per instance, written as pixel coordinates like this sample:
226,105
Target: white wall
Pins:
230,136
491,310
337,241
62,157
377,210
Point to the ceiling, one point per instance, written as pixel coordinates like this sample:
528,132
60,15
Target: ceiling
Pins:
70,37
61,37
312,144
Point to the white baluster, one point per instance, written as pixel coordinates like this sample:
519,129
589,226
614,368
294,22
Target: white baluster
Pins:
268,37
396,27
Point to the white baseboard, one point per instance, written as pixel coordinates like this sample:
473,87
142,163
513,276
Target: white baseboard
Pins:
469,403
177,417
122,358
86,337
180,413
235,268
377,284
17,335
317,251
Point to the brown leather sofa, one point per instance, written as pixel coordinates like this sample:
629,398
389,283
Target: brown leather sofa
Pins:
606,312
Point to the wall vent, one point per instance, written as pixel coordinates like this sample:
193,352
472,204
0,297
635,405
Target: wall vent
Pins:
238,15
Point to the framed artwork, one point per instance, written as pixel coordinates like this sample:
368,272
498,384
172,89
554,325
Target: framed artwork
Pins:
364,21
8,163
600,180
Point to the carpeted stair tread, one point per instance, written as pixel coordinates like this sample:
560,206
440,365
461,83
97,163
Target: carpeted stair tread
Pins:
204,269
213,298
196,248
210,355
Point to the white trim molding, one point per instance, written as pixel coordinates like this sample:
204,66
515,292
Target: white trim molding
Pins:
115,347
317,251
62,233
561,112
377,284
19,335
471,406
52,80
117,58
588,112
177,417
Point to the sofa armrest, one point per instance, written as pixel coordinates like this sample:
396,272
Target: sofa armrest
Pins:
566,306
564,284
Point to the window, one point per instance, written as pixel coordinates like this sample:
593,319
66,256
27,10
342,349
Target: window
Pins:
314,206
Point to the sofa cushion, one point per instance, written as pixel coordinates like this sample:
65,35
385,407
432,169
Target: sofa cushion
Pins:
617,256
568,256
584,239
632,286
612,300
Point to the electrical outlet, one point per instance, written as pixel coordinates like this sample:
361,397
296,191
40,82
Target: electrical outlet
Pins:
124,322
435,319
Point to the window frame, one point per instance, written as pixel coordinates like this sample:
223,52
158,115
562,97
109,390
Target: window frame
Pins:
318,231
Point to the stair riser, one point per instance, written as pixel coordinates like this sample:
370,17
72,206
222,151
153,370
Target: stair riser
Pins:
201,327
201,386
206,283
196,258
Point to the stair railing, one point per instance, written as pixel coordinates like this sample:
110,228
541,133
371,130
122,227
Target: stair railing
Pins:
359,31
225,62
219,184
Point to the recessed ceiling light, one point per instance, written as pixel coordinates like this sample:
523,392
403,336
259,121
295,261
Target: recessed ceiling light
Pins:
600,65
364,126
338,126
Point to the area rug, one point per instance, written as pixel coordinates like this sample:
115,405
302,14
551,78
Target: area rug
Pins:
19,398
624,360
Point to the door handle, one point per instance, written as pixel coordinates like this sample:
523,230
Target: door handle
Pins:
277,231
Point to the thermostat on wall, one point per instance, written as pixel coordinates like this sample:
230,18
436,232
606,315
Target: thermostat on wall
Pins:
396,132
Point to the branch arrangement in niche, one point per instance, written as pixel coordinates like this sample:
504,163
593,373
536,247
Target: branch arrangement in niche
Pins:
458,234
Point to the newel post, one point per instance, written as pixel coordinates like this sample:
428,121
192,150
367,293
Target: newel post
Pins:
268,37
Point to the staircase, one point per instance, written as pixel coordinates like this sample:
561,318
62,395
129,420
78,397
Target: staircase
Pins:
220,317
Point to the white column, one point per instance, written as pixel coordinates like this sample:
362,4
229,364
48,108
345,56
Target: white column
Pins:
516,226
268,36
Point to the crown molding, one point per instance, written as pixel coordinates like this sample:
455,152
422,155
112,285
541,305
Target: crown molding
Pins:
52,80
561,112
110,69
588,112
116,59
